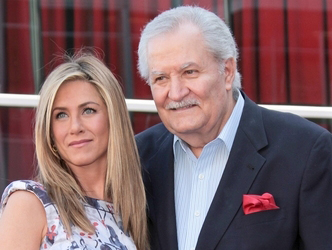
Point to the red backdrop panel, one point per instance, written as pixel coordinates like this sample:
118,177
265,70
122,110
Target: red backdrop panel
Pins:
329,47
244,32
306,52
272,69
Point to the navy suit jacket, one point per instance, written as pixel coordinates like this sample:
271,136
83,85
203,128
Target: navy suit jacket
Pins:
273,152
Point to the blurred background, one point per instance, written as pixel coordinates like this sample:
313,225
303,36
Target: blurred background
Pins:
285,55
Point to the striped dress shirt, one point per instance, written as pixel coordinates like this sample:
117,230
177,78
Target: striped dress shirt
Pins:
196,179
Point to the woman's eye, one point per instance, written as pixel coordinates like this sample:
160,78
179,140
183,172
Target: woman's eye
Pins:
61,115
89,111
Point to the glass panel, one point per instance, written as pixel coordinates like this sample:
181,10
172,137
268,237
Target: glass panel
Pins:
16,144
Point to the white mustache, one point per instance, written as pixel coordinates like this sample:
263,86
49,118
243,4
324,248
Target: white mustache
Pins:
182,104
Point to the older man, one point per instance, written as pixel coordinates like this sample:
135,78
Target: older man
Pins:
221,172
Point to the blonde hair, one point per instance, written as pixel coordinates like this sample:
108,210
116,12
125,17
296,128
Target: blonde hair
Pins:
123,181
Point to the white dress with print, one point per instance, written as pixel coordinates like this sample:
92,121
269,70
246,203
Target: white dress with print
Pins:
108,225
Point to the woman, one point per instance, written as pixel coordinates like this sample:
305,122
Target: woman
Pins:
89,193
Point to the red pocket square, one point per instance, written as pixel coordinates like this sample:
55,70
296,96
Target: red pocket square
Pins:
256,203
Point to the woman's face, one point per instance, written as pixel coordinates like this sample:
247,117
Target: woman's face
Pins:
79,125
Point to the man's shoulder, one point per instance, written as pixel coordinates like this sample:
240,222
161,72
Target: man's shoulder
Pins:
292,130
154,139
275,121
283,120
157,131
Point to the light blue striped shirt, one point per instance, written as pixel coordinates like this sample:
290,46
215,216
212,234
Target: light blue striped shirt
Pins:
196,179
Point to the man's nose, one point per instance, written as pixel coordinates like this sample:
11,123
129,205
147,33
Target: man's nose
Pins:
178,89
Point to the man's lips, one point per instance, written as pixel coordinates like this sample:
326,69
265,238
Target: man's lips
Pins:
79,143
183,107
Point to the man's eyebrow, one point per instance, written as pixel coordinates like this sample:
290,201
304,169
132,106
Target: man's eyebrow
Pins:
188,64
157,72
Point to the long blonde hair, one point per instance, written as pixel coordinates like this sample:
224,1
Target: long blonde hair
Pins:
123,182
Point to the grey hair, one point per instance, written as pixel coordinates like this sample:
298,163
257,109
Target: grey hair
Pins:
218,37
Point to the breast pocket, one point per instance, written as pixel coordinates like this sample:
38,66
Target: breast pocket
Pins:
262,217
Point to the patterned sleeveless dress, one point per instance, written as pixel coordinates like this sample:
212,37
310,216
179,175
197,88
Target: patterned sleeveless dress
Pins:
108,234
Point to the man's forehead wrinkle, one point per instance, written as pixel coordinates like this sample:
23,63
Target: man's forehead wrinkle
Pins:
183,66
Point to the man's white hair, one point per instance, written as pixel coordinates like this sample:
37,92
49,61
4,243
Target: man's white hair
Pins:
217,36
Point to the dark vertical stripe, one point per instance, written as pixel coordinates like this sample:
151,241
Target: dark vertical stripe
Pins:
235,24
176,3
36,45
3,111
215,7
2,47
234,16
257,48
326,53
126,49
107,48
327,60
286,44
69,12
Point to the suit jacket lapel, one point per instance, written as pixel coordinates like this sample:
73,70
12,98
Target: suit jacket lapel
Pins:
162,178
241,169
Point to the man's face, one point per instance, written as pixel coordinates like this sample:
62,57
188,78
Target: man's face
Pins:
191,93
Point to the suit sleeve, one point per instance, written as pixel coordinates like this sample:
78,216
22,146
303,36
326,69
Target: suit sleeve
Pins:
315,211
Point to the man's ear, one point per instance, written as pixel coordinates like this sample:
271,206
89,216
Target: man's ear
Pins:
229,72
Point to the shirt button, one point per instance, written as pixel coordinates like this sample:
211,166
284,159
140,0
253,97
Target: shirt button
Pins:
197,213
201,176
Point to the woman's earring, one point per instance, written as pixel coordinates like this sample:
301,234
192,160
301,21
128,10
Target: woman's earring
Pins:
54,149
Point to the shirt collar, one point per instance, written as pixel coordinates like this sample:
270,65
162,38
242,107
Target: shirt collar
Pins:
228,132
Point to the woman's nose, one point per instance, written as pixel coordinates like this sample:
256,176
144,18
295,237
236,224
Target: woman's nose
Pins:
76,125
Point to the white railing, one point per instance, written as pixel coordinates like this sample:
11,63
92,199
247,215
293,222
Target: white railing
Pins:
140,105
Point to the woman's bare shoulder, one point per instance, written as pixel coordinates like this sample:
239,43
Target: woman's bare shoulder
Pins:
23,222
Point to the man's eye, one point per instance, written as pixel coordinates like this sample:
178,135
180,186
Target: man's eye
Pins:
190,71
89,111
160,78
61,115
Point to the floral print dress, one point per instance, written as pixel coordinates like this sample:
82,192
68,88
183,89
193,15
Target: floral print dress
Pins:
108,234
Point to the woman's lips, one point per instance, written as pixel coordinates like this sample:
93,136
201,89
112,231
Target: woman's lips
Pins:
79,143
